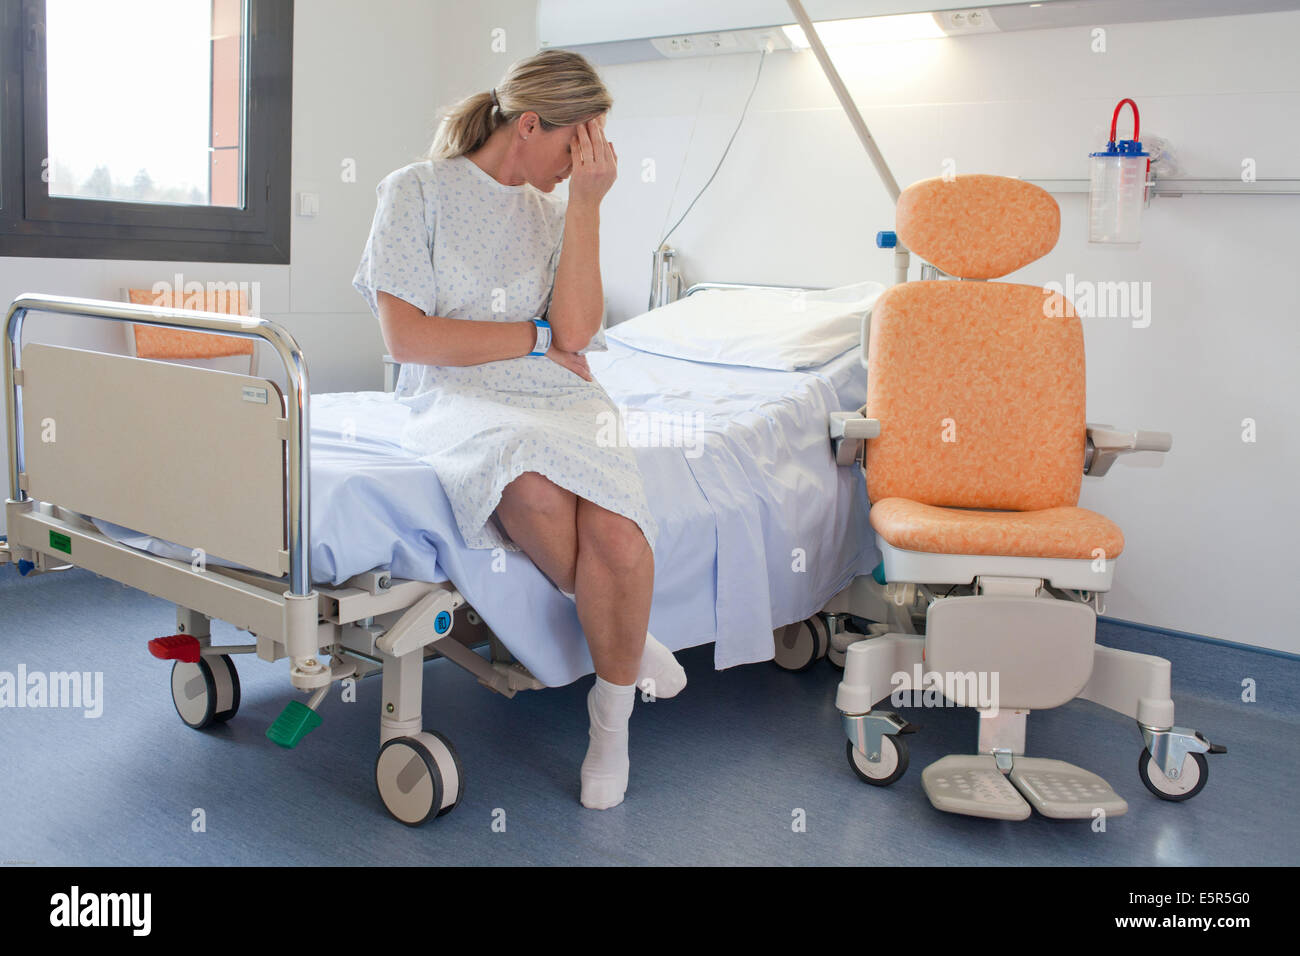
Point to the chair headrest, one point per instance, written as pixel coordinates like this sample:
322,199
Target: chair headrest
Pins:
978,227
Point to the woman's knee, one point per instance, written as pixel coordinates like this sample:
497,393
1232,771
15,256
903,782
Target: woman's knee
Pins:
617,542
539,495
540,517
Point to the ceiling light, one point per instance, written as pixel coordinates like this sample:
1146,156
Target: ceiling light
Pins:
894,29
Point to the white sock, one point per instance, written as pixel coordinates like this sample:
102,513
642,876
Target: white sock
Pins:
604,771
658,666
659,676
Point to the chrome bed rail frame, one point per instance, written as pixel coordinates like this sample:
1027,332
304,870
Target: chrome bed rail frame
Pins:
701,286
247,327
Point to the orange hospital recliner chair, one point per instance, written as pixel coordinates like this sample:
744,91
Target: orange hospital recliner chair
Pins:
974,441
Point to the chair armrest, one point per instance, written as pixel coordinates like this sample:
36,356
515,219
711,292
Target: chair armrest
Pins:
848,431
1106,443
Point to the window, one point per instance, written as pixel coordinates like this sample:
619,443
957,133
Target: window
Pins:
146,129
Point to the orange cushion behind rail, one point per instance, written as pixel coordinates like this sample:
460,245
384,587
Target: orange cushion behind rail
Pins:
1051,533
979,388
978,227
158,343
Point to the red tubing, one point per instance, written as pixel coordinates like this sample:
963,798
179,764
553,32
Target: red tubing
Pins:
1114,120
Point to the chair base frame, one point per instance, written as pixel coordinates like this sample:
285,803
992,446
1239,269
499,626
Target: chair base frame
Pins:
889,665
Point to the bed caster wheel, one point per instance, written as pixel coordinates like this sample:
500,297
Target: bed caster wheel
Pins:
891,766
419,777
205,692
1195,774
799,645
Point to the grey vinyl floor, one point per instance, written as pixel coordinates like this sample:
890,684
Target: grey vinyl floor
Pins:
720,775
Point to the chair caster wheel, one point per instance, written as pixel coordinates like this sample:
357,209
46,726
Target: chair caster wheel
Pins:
1191,780
205,692
419,777
799,645
891,766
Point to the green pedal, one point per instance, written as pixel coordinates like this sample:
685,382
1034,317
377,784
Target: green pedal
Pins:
295,722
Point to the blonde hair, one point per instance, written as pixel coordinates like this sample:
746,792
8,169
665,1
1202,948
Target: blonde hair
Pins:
560,86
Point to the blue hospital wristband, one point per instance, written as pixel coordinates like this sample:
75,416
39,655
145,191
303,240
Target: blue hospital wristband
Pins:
543,337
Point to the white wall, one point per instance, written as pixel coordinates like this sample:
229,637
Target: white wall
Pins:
1210,531
797,203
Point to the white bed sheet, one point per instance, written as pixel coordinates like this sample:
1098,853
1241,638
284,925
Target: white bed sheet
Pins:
758,526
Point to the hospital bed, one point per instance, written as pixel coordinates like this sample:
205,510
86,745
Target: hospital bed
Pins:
300,520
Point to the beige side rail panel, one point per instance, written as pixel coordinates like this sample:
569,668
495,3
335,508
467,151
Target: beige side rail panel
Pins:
190,455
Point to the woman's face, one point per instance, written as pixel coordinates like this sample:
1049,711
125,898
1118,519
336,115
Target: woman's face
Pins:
550,154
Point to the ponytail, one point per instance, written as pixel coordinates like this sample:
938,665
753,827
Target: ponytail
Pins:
466,127
560,86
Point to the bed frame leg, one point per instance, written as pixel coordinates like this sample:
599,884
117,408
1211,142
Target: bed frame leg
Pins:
302,642
196,625
399,714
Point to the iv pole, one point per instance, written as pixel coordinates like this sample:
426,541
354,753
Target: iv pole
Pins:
901,257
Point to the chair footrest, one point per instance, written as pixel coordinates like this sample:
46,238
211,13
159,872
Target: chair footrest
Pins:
972,785
1063,791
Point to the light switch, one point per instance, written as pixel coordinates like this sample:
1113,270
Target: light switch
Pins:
308,204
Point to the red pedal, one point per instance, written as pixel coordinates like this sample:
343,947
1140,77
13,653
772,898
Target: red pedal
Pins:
177,647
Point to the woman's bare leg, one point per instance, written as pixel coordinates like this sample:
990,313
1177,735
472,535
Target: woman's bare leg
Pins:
615,579
541,518
599,556
605,560
614,583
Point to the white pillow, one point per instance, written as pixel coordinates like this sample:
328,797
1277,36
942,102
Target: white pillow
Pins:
757,328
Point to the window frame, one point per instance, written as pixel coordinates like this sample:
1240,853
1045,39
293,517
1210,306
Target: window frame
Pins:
35,224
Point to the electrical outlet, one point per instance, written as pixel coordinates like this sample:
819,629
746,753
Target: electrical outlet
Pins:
710,44
966,22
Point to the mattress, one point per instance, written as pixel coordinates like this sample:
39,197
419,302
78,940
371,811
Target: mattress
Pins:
757,525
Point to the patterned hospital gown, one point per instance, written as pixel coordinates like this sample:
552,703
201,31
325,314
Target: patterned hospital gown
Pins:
453,241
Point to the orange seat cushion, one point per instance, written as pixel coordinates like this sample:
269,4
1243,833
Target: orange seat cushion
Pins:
1050,533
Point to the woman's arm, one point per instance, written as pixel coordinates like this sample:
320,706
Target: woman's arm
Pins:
412,336
578,298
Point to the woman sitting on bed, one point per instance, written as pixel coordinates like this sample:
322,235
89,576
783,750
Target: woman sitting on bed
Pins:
468,251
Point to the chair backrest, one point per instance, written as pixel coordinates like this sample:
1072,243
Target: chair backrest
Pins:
159,343
979,386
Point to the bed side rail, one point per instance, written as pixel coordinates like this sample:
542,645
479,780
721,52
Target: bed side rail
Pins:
186,454
702,286
189,454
